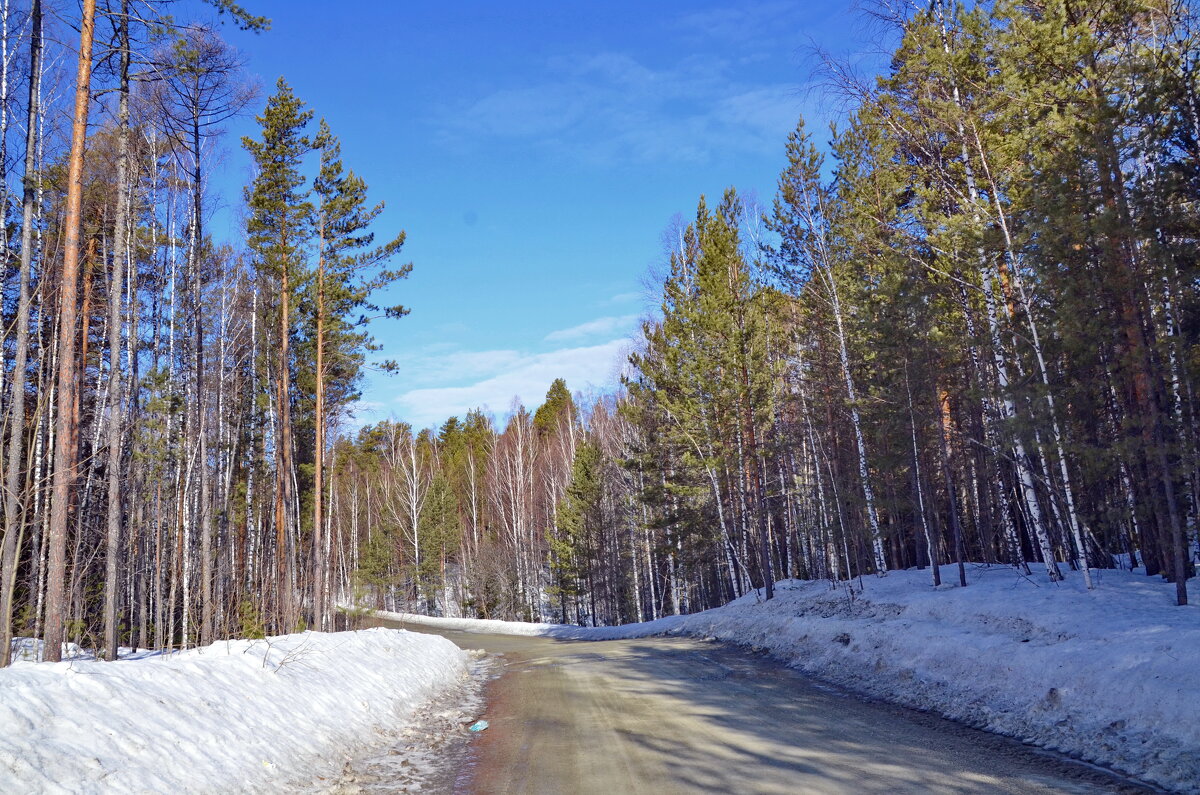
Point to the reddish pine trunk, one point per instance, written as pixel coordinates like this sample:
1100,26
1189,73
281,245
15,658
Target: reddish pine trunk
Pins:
66,383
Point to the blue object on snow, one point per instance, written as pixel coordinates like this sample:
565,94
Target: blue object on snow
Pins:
478,726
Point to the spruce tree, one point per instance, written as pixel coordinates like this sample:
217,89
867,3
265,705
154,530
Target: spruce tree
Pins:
580,520
440,536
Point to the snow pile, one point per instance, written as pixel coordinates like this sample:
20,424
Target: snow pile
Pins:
1110,676
247,715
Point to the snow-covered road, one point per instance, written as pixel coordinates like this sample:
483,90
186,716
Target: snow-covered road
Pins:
686,715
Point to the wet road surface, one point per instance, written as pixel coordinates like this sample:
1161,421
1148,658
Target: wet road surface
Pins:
668,715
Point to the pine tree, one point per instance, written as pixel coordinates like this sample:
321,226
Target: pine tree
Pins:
14,528
66,454
279,230
557,407
348,270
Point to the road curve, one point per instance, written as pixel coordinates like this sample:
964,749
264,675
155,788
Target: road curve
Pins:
668,715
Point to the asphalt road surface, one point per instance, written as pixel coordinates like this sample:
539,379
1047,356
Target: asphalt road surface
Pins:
667,715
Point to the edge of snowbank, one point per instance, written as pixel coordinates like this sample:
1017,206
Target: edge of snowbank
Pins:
528,629
1108,676
241,715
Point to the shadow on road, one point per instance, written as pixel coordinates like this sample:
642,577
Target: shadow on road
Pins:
684,715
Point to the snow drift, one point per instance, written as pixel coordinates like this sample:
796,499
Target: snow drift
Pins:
1109,675
247,715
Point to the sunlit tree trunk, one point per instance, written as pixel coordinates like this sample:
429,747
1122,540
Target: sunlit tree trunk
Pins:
65,464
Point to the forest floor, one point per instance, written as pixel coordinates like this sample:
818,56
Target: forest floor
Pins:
1109,676
282,714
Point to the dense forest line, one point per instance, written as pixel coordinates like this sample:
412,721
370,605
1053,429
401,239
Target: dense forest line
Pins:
966,333
969,335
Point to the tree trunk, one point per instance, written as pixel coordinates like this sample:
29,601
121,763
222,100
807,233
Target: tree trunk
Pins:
930,546
14,522
65,443
115,398
955,523
860,445
283,458
319,558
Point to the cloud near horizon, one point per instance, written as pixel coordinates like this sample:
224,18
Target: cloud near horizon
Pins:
521,376
593,328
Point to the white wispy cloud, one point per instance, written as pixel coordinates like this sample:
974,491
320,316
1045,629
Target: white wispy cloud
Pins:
526,377
610,108
439,364
594,328
752,26
623,298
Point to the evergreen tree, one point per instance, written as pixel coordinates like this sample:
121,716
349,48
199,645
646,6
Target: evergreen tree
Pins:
348,270
580,519
440,537
279,231
557,407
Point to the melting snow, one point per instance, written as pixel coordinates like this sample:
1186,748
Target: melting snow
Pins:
1111,675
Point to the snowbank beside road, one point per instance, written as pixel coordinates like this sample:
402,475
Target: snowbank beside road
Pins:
1111,676
248,715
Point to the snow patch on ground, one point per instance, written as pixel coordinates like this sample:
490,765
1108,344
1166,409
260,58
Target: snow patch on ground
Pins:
427,752
1110,675
32,650
246,715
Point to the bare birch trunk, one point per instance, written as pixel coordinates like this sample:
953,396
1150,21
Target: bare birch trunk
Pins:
14,522
860,445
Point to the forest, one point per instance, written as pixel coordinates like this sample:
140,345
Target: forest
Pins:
168,396
963,333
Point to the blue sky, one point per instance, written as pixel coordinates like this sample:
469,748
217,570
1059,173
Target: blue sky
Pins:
534,153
